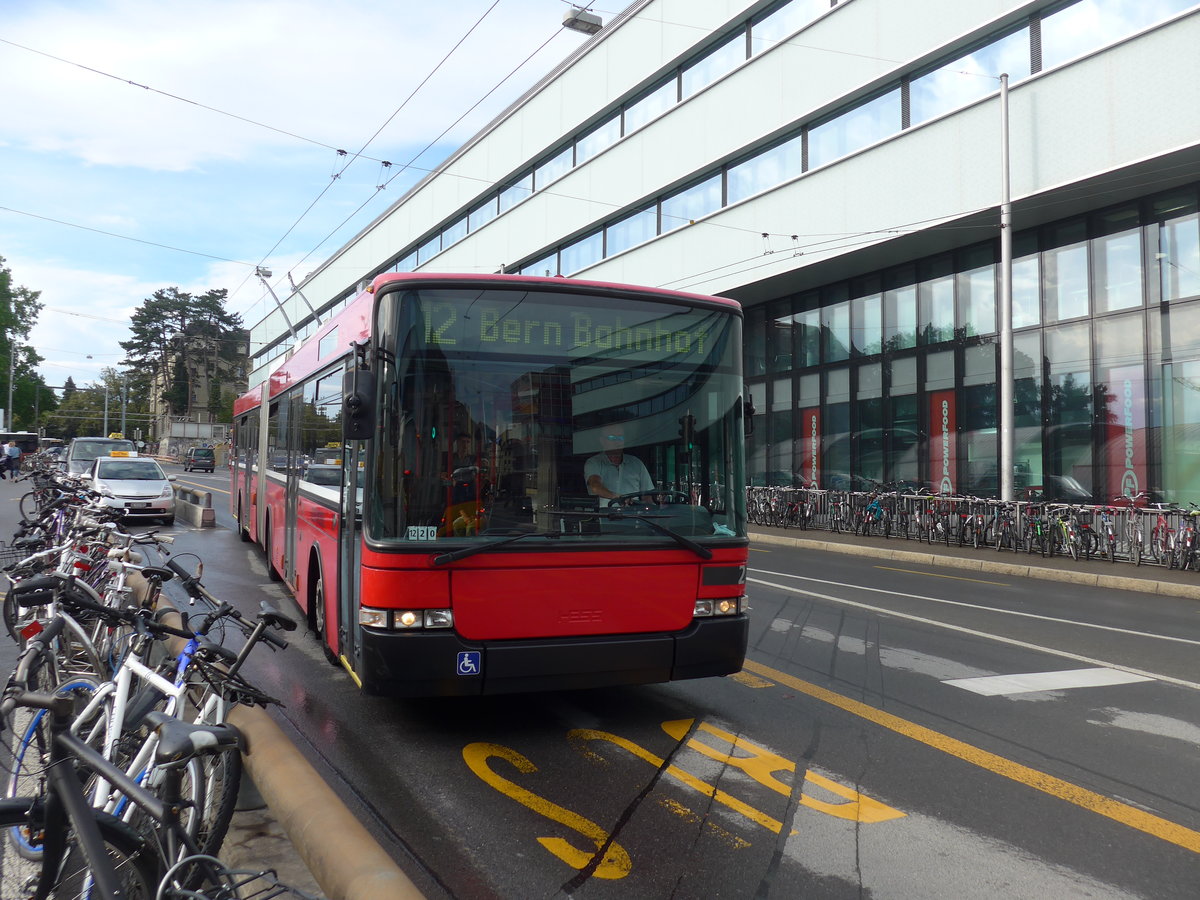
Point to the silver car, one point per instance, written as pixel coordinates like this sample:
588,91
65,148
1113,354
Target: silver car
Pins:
136,485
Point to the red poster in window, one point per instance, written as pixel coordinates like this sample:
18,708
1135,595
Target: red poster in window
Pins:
943,444
1125,435
810,446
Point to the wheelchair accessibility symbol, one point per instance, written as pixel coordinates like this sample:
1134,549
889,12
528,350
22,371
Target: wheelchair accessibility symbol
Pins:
469,662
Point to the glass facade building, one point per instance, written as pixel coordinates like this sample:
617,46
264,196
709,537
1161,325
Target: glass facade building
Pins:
893,376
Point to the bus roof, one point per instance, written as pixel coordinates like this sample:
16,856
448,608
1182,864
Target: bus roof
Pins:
353,324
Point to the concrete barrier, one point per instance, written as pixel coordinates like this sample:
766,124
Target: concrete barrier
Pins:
195,507
340,853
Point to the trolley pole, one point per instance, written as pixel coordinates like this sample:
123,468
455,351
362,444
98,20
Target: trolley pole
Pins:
1006,416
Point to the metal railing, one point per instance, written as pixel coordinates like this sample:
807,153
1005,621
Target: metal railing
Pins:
1121,531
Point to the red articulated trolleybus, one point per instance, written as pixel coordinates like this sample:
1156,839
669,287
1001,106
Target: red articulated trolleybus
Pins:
490,484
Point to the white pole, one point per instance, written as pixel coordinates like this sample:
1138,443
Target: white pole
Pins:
1006,413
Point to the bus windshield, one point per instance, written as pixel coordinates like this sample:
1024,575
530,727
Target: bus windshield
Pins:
583,417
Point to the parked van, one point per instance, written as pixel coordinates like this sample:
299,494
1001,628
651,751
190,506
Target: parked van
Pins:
199,459
84,450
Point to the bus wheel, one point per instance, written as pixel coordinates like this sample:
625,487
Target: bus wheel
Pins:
243,531
316,615
271,573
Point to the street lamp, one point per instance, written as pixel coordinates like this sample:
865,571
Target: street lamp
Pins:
579,19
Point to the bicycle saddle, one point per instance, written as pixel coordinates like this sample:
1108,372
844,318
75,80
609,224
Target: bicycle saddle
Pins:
179,741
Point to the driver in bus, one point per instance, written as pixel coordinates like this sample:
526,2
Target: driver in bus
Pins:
614,473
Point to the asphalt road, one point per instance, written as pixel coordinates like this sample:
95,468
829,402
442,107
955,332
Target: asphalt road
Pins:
871,747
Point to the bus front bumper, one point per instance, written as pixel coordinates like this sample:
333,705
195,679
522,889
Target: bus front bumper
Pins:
441,664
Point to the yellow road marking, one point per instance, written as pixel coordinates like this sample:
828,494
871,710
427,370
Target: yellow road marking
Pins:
1130,816
614,864
937,575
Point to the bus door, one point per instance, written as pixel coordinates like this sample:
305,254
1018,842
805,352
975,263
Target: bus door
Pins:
350,550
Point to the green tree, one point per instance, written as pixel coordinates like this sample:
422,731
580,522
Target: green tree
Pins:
19,308
186,335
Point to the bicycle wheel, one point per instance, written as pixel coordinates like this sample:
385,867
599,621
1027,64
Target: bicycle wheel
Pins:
1089,543
30,506
1135,548
137,867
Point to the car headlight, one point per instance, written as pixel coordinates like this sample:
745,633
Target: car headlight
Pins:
105,491
168,491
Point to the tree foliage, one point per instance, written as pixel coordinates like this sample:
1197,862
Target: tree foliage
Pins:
19,308
182,333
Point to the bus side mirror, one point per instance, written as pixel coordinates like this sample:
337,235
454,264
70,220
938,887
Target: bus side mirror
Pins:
358,405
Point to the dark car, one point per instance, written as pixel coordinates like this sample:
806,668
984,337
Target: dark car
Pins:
199,459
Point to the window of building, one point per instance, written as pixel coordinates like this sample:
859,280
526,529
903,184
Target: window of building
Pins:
977,292
516,192
583,253
866,321
407,264
836,426
783,23
651,106
546,266
632,230
717,62
868,407
808,335
554,168
1068,437
1027,412
765,170
429,249
900,313
1117,261
1065,270
1178,254
454,233
936,296
483,214
966,79
756,343
835,325
782,412
1026,282
1085,26
904,433
692,203
854,129
600,138
780,336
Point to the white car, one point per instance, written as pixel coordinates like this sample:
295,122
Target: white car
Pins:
136,484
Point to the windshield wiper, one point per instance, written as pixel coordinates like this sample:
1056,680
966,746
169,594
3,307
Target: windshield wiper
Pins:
618,515
686,543
454,555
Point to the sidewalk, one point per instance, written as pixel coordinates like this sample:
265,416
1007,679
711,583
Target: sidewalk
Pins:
1151,579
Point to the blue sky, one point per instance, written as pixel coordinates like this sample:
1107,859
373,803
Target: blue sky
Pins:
111,190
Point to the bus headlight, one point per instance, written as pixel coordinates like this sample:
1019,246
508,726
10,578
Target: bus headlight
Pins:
725,606
373,618
406,619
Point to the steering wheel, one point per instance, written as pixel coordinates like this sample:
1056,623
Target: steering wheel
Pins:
664,496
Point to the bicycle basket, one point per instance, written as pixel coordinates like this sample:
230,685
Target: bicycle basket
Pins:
10,556
1084,517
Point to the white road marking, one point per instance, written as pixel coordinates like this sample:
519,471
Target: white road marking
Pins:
996,685
1006,612
882,610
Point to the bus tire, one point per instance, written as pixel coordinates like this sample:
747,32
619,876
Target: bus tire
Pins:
317,619
243,531
271,573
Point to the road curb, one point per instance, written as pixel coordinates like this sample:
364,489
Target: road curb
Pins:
1094,579
340,853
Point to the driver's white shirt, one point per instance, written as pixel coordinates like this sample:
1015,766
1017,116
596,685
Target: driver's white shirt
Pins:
629,477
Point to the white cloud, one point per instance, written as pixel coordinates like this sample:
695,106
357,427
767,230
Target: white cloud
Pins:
206,196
